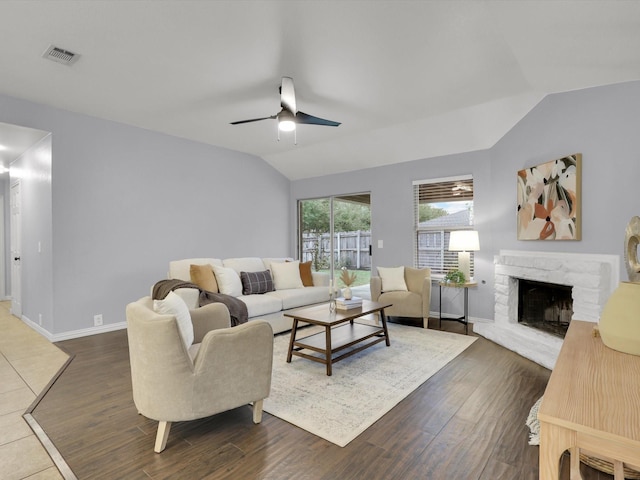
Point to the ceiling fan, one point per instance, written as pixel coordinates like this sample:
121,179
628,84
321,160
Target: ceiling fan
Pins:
289,116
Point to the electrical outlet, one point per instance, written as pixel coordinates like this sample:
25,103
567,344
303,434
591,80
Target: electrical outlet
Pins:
40,319
97,320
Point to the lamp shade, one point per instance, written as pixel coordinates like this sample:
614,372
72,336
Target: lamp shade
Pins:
464,241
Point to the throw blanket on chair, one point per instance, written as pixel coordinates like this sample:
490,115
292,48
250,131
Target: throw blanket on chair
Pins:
237,308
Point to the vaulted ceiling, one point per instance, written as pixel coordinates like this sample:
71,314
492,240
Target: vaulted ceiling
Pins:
407,79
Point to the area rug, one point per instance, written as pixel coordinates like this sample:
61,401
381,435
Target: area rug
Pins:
533,423
363,387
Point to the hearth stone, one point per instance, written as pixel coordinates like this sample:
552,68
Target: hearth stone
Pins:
593,278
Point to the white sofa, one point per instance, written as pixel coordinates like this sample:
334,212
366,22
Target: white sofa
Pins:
268,306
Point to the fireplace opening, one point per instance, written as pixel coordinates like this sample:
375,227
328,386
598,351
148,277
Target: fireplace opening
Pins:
545,306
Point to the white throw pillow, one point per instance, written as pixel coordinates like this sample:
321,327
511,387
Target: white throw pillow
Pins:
174,305
228,280
268,261
392,279
286,275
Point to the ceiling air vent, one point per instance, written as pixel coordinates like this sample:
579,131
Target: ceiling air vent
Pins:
60,55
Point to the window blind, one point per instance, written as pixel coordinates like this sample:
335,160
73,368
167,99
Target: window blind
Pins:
447,205
448,190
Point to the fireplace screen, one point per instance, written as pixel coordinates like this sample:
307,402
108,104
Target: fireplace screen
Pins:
545,306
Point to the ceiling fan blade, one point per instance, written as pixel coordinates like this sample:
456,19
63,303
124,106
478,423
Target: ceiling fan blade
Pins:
254,120
290,111
288,95
302,117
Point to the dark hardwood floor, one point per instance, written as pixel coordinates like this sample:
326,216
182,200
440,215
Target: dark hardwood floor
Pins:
465,422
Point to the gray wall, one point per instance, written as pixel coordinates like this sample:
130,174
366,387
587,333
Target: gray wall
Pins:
392,210
125,201
601,123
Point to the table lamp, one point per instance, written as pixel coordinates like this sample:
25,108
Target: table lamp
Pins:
463,242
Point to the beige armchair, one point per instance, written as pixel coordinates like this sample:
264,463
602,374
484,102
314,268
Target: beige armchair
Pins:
414,302
224,369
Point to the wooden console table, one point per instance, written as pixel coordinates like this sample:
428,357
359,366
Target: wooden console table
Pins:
592,402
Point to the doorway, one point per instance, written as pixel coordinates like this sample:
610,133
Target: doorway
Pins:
16,249
21,168
335,233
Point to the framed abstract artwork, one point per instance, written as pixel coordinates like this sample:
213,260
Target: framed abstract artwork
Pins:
549,200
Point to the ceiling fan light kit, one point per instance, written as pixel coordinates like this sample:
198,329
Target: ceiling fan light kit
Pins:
290,116
286,121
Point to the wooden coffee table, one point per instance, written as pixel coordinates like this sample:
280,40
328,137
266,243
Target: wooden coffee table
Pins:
340,332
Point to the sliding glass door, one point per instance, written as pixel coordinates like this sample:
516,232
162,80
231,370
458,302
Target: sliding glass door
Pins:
335,233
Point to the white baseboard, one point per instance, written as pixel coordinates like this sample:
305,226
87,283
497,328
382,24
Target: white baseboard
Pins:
84,332
36,327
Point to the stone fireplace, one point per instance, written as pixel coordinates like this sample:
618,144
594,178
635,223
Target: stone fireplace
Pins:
592,278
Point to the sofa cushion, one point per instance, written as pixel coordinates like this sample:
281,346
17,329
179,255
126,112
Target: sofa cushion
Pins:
268,261
261,304
180,268
404,304
415,278
286,275
244,264
202,275
305,274
228,281
392,279
300,297
172,304
256,282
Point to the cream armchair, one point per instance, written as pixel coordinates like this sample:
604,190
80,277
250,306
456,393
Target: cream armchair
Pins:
229,368
414,302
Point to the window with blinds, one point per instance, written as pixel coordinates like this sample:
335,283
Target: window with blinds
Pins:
441,206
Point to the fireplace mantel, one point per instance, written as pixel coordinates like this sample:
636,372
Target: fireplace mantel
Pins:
593,277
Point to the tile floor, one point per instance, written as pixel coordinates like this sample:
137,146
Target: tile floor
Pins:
27,362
